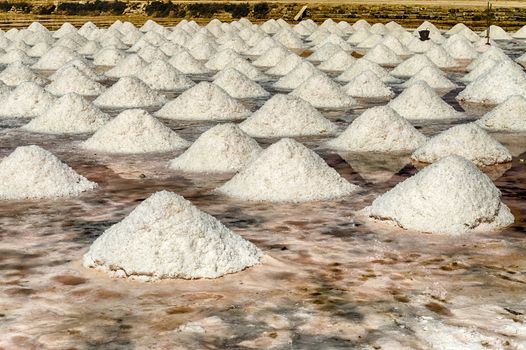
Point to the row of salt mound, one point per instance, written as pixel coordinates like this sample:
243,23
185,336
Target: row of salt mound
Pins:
168,237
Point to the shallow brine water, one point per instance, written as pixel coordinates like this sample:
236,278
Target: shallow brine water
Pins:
329,280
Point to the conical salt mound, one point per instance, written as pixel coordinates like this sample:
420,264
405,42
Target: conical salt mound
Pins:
379,129
15,55
520,34
496,33
108,56
496,86
55,58
186,63
460,48
337,63
287,116
28,100
382,55
451,196
324,52
238,85
320,91
160,75
360,66
134,131
481,69
466,140
286,65
420,101
222,149
221,59
205,101
72,80
413,65
130,65
271,57
17,73
287,171
295,77
434,77
166,236
70,114
31,172
508,116
82,66
368,85
440,57
129,92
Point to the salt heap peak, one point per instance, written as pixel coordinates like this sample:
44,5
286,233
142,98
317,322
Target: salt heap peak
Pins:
287,171
295,77
271,57
324,52
55,58
238,85
466,140
130,65
508,116
360,66
31,172
28,100
287,116
383,56
440,57
187,64
71,79
70,114
160,75
17,73
224,148
379,129
434,77
166,236
130,92
496,33
322,92
134,131
519,34
337,63
420,101
451,196
460,48
368,85
205,101
413,65
286,65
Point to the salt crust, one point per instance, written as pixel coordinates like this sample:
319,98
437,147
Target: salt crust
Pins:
55,58
340,61
434,77
128,66
507,116
130,92
321,92
17,73
72,79
187,64
368,85
465,140
412,66
205,101
287,171
70,114
238,85
451,196
379,129
287,116
286,65
222,149
295,77
28,100
160,75
134,131
166,236
383,56
31,172
420,101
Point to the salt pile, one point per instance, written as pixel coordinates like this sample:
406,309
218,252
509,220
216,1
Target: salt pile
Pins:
368,85
108,57
379,129
395,45
322,92
508,116
324,52
17,73
451,196
31,172
166,236
434,77
287,171
134,131
496,86
39,50
238,85
129,92
160,75
205,101
337,63
420,101
440,57
286,65
496,33
15,55
130,65
247,69
383,56
466,140
520,34
460,48
359,36
82,66
71,80
271,57
370,42
221,59
28,100
222,149
481,69
360,66
287,116
187,64
413,65
90,48
55,58
295,77
492,53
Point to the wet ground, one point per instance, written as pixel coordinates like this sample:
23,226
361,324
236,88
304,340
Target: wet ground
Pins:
329,280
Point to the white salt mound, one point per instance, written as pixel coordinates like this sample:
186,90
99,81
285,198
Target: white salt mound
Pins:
31,172
439,56
320,91
238,85
360,66
28,100
434,77
287,171
287,116
379,129
222,149
70,114
286,65
368,85
72,80
420,101
508,116
166,236
383,56
55,58
187,64
160,75
128,66
466,140
413,65
17,73
295,77
129,92
338,62
205,101
451,196
271,57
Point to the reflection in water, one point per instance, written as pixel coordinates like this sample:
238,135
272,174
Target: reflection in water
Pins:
374,167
